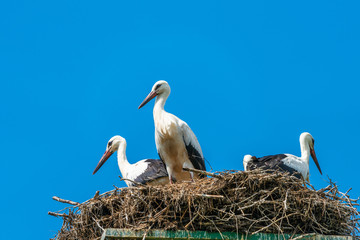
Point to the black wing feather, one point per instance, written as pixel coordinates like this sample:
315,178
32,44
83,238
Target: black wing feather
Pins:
269,161
195,157
272,162
156,169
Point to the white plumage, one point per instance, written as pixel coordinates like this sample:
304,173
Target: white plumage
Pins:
298,164
176,143
287,162
147,171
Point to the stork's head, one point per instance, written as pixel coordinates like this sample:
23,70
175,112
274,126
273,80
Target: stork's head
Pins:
306,138
247,159
111,147
160,88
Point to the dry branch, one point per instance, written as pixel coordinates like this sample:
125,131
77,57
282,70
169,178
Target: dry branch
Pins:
209,196
202,172
57,214
97,194
64,201
136,183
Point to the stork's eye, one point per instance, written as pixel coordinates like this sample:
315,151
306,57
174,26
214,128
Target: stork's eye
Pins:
157,86
109,144
313,142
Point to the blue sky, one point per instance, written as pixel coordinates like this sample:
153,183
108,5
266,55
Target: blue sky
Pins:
247,77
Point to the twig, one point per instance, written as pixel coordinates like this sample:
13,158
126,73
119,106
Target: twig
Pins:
136,183
346,194
58,214
286,195
65,201
209,196
96,196
89,200
303,235
203,172
191,221
324,189
97,223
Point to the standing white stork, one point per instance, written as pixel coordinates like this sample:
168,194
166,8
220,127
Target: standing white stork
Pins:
299,166
147,171
176,144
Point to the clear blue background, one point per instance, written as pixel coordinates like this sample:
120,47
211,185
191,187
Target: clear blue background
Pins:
247,77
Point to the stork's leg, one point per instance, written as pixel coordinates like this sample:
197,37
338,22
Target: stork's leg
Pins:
170,173
192,176
172,180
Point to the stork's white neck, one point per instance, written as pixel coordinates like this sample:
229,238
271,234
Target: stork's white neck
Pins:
122,160
305,150
159,104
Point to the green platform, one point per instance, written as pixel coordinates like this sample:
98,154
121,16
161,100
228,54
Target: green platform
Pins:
114,233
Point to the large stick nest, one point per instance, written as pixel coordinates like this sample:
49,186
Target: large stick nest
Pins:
243,202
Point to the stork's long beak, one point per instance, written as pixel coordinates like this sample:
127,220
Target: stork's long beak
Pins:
151,95
103,159
313,155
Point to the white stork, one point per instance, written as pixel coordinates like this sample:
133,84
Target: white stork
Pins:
147,171
299,166
176,144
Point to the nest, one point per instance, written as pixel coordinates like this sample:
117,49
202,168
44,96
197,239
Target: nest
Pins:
242,202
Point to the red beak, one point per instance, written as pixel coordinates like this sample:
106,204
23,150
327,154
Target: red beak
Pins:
313,155
103,159
151,95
